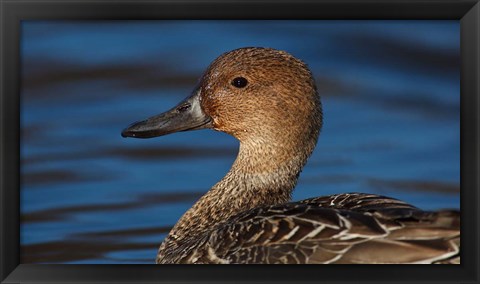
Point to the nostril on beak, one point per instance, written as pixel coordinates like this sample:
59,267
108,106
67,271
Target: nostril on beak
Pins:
183,108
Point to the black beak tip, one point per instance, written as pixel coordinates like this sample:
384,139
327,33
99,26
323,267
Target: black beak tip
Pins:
126,133
133,129
129,131
138,130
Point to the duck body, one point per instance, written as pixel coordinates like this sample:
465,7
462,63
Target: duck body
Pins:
352,228
268,100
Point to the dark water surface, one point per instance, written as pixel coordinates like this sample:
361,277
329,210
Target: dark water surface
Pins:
390,92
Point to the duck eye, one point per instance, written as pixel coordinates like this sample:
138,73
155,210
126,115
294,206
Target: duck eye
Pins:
239,82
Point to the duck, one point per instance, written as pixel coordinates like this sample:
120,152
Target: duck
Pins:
268,100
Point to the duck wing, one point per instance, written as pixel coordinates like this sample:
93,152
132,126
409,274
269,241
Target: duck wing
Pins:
343,228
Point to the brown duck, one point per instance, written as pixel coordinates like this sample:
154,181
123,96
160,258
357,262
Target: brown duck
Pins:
268,100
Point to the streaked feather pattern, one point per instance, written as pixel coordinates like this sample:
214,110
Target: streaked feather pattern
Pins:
342,229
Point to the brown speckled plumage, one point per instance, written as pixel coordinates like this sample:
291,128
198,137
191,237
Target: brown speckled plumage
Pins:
247,217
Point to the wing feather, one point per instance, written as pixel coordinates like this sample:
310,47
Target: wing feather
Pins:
343,228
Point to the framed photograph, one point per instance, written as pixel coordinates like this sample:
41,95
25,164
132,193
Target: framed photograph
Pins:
306,133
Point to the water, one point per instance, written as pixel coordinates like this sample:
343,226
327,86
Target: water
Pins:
390,92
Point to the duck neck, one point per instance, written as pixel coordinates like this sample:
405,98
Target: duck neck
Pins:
263,174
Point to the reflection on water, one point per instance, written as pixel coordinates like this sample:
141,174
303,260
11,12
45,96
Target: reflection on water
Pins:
390,91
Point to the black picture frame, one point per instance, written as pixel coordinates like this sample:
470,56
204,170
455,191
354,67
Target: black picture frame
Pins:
15,11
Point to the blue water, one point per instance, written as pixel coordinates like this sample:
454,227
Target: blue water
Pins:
390,92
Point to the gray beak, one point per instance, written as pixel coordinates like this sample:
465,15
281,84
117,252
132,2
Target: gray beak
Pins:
187,115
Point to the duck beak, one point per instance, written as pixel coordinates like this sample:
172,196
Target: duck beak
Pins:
187,115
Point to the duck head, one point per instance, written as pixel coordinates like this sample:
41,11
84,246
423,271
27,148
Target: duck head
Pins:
258,95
